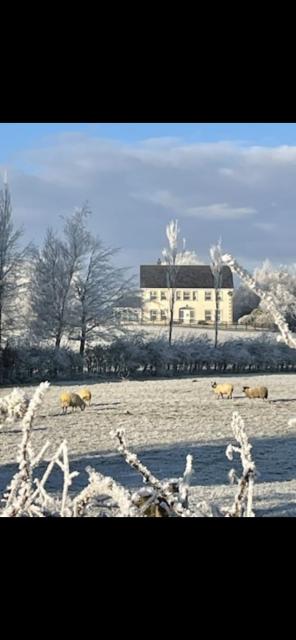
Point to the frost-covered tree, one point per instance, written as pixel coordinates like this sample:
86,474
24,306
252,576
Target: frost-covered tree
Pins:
55,265
258,318
216,268
13,258
186,258
268,299
244,302
173,256
169,256
98,285
281,283
75,286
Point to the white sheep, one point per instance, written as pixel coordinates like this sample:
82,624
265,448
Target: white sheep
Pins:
223,390
256,392
85,394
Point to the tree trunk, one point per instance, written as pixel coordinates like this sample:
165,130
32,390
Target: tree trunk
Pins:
1,351
82,343
216,316
217,290
83,335
58,340
171,325
171,316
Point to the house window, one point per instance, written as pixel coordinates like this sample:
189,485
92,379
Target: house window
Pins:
163,295
133,316
208,295
186,295
163,315
181,315
192,315
194,295
178,295
208,316
153,295
153,315
220,295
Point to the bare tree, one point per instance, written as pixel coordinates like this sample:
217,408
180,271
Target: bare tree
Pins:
98,285
12,275
75,286
56,265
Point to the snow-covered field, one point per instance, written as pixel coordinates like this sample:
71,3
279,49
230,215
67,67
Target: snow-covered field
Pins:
180,332
164,420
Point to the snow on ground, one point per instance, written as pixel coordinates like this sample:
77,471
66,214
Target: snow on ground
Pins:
183,332
164,421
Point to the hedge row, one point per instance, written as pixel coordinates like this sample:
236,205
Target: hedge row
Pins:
134,356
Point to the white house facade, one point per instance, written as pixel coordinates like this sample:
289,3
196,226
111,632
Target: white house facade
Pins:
194,293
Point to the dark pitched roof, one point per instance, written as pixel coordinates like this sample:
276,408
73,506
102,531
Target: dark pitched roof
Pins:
188,277
131,302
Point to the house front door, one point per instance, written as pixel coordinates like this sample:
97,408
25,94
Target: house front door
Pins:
186,316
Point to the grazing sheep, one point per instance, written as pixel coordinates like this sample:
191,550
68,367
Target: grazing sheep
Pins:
85,394
65,400
223,390
76,401
71,400
256,392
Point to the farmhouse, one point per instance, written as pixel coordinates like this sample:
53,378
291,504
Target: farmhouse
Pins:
194,294
129,309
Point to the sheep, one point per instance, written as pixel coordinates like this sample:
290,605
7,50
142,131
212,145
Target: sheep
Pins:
77,401
71,400
223,390
65,399
85,394
256,392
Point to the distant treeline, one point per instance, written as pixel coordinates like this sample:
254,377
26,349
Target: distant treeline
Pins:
134,356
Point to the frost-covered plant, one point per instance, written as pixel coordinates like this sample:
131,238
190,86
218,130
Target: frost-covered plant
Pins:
99,486
21,487
164,498
13,406
243,502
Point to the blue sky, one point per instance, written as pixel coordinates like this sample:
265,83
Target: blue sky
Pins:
234,180
15,137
